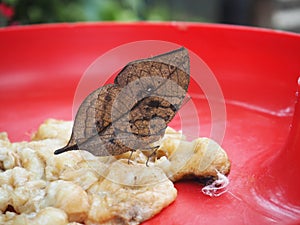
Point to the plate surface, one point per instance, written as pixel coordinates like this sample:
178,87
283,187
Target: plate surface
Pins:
257,71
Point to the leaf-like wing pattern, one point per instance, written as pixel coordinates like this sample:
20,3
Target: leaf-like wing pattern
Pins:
133,112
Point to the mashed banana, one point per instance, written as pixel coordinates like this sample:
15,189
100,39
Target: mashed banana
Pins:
38,187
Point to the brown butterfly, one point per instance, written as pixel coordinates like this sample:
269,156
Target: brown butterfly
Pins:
132,113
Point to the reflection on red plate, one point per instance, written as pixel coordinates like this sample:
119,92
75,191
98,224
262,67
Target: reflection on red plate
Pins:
257,71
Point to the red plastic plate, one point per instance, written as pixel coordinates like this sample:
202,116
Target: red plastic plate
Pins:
257,71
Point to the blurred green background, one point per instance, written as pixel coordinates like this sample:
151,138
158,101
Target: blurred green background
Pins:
277,14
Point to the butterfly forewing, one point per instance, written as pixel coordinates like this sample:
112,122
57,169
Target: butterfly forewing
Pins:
133,112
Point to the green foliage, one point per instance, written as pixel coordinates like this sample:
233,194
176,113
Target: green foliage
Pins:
53,11
43,11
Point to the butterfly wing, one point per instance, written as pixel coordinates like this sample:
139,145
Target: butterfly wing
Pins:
133,112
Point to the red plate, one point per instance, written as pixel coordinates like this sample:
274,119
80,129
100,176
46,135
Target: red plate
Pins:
256,71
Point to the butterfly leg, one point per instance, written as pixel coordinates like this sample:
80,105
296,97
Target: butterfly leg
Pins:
130,156
151,155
